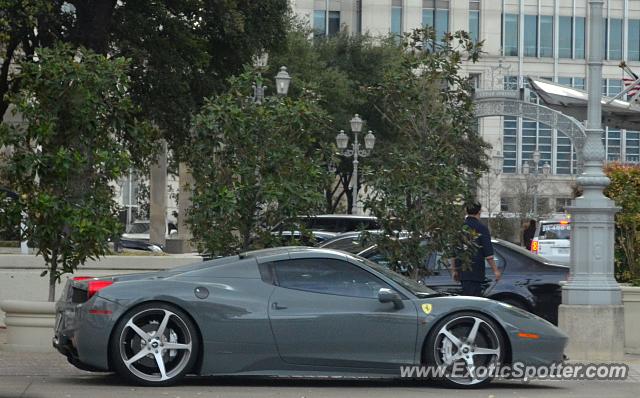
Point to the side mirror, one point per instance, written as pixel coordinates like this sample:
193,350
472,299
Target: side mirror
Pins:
390,296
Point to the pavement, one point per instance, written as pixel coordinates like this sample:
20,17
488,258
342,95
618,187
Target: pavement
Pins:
49,375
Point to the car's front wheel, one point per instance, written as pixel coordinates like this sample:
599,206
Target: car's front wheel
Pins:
467,346
154,344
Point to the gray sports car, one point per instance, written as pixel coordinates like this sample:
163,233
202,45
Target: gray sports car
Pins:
289,311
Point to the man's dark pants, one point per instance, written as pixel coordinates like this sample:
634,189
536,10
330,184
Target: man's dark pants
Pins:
472,288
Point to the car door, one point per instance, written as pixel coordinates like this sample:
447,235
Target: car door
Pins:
325,312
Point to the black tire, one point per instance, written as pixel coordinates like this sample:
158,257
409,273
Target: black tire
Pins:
442,351
175,351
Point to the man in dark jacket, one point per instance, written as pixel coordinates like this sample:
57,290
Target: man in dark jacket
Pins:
472,280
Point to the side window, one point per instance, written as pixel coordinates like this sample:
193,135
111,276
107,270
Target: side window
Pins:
329,277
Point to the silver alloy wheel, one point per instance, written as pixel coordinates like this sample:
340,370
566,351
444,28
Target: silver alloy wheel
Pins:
467,342
155,345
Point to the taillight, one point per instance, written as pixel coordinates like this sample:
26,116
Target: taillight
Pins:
534,246
94,286
81,278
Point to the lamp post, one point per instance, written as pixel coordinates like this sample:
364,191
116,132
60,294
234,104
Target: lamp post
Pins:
591,312
342,141
535,177
283,80
497,162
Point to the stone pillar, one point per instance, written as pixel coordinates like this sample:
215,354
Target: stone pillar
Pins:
182,244
592,312
158,199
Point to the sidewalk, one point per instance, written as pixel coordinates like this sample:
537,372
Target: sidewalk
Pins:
50,375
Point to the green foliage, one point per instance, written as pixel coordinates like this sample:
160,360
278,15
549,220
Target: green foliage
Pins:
179,51
624,189
337,69
24,25
79,132
183,51
425,173
254,166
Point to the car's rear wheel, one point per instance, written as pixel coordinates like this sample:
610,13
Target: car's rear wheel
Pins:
468,345
154,344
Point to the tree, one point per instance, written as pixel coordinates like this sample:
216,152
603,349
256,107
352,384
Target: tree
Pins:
24,26
423,177
180,51
254,165
624,189
79,133
337,68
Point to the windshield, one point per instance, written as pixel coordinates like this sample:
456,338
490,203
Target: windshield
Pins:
411,285
556,230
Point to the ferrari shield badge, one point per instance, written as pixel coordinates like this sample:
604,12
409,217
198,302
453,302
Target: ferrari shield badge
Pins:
427,308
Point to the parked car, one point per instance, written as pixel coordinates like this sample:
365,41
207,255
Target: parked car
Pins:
553,240
290,311
139,230
336,223
315,238
528,281
133,244
350,242
322,228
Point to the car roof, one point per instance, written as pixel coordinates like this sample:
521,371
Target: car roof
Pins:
291,252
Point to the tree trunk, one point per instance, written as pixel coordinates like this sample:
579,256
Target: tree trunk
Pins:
52,277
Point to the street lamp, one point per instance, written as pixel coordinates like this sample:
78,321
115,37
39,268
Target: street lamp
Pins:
535,177
342,141
283,80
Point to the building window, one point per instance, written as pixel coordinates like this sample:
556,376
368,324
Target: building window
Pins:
511,82
510,144
546,36
612,143
562,204
575,82
396,17
634,40
475,79
565,37
611,87
435,13
319,23
632,147
510,34
614,38
474,20
504,204
530,35
579,40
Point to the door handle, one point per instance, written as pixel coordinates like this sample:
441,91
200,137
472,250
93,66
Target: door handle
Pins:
275,306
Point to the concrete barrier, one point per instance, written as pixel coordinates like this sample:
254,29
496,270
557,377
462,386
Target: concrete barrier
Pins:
20,274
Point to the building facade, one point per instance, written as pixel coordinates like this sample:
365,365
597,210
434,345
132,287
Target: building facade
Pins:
541,38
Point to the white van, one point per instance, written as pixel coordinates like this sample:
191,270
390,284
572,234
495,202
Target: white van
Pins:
552,240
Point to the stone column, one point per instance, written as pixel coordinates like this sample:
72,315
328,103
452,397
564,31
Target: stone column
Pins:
184,204
158,199
591,313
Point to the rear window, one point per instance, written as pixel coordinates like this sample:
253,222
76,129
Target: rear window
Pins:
554,231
